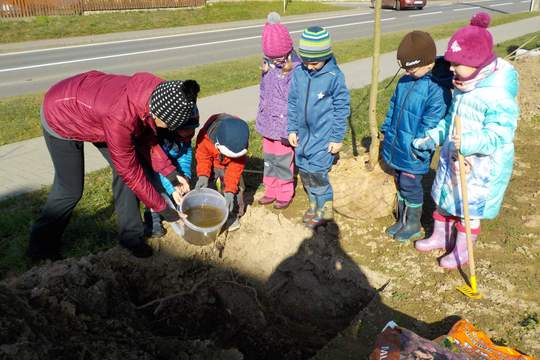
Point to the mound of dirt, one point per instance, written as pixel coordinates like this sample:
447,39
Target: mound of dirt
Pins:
529,101
88,309
361,194
276,291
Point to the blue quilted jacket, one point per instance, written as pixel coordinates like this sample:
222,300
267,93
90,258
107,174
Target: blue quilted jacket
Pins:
318,110
416,107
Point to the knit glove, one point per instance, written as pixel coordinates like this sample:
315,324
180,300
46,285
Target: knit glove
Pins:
202,182
229,200
426,143
169,215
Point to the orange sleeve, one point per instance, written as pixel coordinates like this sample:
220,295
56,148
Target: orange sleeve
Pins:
203,155
233,173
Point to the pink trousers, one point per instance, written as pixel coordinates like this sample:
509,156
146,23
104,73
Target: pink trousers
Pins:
278,177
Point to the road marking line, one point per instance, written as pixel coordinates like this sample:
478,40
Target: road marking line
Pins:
177,35
469,8
503,4
477,1
425,14
169,48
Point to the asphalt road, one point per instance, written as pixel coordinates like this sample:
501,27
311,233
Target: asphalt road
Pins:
35,70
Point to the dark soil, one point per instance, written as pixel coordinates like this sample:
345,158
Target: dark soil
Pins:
112,306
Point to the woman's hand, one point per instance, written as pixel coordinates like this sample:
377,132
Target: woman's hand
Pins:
177,197
183,187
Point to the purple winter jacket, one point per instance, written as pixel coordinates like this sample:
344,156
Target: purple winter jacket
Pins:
274,92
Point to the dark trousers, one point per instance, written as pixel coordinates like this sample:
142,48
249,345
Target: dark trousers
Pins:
410,186
68,160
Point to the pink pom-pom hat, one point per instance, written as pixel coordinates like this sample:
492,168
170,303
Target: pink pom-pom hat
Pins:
276,40
472,45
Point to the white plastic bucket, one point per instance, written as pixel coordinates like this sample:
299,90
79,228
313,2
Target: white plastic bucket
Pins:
192,233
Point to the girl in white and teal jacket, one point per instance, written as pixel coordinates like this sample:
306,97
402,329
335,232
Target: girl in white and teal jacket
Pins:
485,99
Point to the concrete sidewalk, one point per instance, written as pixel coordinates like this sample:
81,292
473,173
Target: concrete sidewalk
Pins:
26,165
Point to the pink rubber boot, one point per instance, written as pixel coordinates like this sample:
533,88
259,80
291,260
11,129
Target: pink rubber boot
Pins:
441,237
460,255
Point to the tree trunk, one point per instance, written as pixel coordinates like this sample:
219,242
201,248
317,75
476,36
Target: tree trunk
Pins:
373,126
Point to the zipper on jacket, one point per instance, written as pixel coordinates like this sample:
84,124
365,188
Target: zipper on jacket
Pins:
306,117
399,120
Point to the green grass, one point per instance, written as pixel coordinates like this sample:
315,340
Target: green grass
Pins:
233,74
53,27
507,47
91,229
19,115
19,118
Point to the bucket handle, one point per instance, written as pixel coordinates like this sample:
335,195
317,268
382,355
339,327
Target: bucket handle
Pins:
178,228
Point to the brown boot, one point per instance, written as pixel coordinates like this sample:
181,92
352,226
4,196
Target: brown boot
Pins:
322,215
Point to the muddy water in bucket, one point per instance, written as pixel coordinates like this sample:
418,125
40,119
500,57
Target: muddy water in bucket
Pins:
204,216
206,212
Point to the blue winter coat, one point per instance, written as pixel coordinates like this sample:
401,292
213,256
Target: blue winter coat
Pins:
318,109
489,115
416,107
181,154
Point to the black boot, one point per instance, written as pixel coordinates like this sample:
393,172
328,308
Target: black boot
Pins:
411,220
43,249
140,250
392,230
157,229
38,254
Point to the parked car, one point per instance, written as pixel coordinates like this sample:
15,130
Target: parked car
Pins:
402,4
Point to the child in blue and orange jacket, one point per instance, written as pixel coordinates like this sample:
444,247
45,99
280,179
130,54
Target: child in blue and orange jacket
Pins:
420,101
318,109
177,146
221,154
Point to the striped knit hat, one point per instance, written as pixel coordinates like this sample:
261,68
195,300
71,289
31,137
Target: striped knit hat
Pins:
315,45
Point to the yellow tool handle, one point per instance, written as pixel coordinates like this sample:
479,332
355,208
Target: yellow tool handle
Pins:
465,200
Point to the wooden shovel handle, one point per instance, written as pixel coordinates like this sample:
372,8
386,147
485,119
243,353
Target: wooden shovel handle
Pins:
465,200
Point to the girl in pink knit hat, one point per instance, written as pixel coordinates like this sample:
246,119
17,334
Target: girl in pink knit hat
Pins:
278,64
485,99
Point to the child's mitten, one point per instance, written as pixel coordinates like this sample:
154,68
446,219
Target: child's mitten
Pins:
229,200
202,182
426,143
